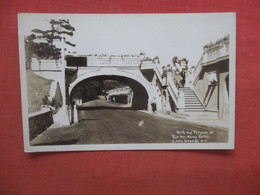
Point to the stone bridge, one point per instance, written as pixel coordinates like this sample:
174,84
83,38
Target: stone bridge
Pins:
142,75
145,76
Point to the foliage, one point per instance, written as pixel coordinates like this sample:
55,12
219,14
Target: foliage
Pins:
55,103
29,49
45,101
223,39
41,42
58,28
88,90
111,84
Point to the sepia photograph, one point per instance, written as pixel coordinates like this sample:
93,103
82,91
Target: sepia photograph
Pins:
127,81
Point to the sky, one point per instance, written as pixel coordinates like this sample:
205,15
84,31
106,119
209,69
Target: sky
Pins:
162,35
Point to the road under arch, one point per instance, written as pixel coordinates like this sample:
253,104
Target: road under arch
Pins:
140,94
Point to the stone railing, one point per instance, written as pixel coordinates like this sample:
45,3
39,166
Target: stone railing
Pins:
45,65
212,54
173,91
146,65
197,70
215,52
112,61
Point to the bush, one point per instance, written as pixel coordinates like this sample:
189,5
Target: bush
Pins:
55,103
45,101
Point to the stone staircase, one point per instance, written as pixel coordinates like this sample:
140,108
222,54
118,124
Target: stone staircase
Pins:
192,103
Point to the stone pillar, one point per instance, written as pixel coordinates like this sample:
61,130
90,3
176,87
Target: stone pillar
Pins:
167,103
149,106
181,102
63,111
223,96
75,111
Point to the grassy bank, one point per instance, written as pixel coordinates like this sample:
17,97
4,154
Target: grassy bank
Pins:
37,88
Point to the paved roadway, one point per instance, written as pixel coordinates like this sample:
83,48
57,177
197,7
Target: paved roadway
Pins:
107,123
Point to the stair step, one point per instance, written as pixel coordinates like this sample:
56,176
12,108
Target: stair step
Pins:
193,104
194,109
197,110
192,101
190,96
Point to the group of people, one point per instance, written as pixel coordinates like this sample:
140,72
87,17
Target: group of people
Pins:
179,78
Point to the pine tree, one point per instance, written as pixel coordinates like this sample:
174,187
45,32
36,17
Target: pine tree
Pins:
45,48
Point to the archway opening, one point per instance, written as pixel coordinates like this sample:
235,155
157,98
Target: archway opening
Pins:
97,87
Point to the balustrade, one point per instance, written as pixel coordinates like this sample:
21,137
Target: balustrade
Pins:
45,65
213,52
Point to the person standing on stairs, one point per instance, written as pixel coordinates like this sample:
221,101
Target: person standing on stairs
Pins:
183,75
177,79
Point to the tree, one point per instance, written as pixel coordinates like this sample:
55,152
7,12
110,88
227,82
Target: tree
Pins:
88,90
45,47
29,50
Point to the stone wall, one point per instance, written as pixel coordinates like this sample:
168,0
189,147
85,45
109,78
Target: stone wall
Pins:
214,97
39,122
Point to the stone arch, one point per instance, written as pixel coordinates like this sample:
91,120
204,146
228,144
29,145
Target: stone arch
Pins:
115,74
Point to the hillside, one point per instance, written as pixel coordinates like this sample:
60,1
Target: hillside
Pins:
37,88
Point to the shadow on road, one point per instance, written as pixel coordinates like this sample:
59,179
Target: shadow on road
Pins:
65,142
102,107
85,119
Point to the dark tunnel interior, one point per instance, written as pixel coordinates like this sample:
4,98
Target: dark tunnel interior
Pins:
140,95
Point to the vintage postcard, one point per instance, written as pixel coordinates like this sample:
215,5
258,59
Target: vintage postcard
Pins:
127,81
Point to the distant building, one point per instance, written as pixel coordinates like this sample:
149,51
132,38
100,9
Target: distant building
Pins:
122,95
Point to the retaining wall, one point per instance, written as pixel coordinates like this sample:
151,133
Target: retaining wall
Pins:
39,122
